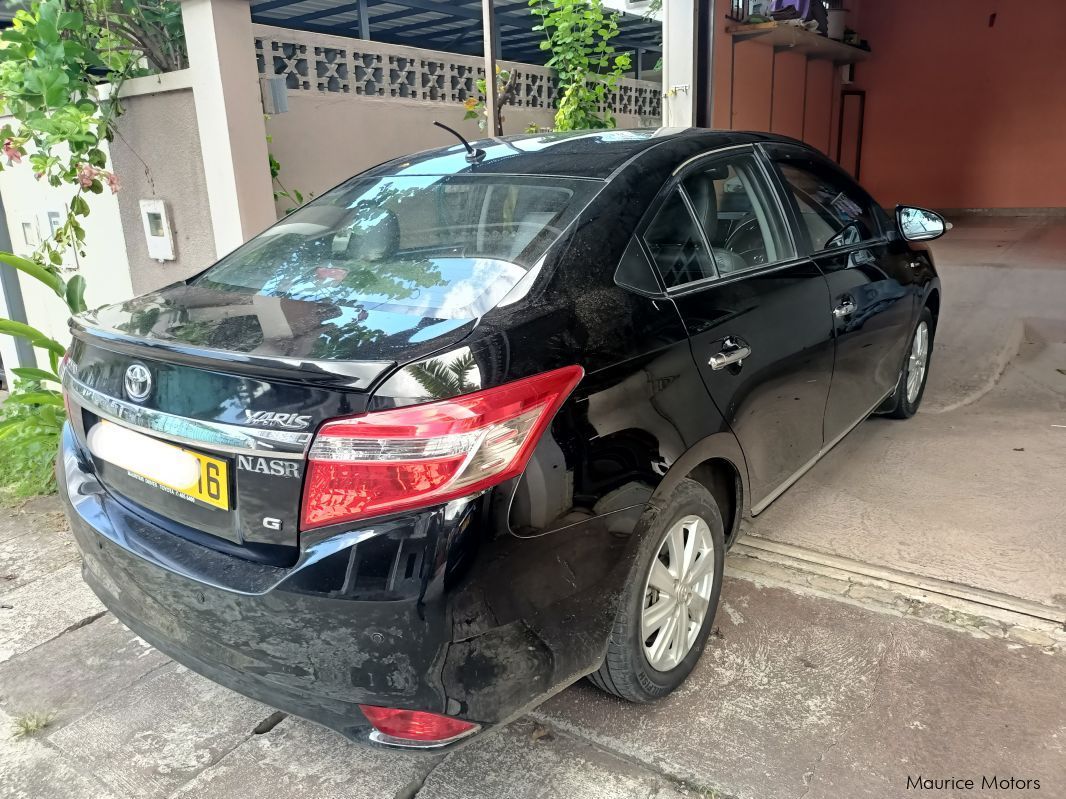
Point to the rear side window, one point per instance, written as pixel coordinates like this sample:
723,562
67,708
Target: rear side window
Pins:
449,246
834,212
721,221
676,243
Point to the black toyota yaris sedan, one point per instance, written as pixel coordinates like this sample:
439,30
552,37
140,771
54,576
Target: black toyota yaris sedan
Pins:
477,423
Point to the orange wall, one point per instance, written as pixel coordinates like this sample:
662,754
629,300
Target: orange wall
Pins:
753,74
960,114
790,89
818,112
756,89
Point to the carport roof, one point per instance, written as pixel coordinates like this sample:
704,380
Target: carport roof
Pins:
452,26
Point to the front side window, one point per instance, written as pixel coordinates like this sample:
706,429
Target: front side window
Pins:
449,246
834,213
731,202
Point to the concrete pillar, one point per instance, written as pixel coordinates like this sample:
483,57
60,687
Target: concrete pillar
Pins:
679,63
229,113
491,40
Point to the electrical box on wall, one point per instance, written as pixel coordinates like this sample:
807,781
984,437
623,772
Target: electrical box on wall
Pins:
275,94
157,230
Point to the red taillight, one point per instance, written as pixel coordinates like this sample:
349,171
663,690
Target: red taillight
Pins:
415,725
394,460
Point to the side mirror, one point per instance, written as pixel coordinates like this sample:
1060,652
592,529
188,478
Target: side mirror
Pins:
918,224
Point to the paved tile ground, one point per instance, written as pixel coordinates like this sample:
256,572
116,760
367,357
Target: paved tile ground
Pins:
795,696
809,697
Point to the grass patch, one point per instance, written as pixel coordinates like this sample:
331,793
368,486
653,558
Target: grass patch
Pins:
29,724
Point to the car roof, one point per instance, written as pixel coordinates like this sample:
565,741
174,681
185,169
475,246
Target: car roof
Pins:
596,154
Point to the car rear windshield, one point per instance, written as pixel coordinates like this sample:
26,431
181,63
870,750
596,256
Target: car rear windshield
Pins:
446,246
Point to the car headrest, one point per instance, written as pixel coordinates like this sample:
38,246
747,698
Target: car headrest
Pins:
373,236
528,228
700,188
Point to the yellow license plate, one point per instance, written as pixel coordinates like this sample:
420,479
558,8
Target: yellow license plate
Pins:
213,485
169,468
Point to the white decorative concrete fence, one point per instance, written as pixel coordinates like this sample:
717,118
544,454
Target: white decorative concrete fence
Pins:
312,62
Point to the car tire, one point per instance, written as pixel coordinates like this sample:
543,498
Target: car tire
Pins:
642,664
910,389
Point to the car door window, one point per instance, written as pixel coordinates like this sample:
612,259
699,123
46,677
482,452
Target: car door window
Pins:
834,212
676,244
731,201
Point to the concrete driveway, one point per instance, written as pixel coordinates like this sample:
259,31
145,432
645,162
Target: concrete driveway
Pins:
893,616
970,490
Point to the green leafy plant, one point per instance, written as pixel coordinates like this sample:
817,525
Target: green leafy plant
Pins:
281,192
441,379
62,66
506,89
55,61
578,33
294,196
30,423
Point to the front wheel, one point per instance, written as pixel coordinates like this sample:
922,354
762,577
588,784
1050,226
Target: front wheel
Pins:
910,389
666,614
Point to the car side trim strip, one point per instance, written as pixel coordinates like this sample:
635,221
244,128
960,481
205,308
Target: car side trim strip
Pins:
787,484
183,430
709,154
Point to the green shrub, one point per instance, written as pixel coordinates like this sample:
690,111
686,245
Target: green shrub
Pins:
31,419
578,33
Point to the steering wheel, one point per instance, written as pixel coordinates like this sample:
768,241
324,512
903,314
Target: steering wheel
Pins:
746,241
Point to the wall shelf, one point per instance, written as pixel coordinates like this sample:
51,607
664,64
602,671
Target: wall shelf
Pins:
792,38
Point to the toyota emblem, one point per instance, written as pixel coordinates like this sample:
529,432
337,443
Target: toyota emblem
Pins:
138,382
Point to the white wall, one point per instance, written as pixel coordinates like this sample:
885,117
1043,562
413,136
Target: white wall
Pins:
156,156
160,129
28,201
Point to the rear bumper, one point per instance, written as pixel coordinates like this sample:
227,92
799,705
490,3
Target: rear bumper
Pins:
466,623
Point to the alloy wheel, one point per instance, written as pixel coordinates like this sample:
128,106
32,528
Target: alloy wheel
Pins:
677,593
917,361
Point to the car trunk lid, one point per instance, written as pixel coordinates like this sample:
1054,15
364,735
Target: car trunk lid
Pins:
244,406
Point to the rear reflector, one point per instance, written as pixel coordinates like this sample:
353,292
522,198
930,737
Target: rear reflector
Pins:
415,727
394,460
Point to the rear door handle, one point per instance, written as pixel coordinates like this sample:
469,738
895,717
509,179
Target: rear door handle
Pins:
846,307
734,351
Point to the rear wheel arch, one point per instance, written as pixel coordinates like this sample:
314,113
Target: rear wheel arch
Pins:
717,463
722,479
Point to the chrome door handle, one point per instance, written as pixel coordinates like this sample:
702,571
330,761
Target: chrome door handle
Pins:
734,351
846,308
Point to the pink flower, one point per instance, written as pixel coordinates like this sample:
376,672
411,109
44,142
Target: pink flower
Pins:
112,182
38,175
12,153
86,175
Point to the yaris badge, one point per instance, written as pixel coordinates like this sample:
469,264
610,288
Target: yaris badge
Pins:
138,382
